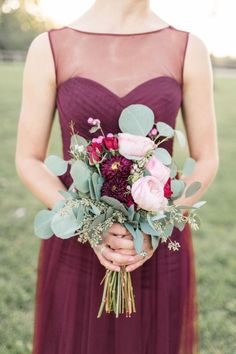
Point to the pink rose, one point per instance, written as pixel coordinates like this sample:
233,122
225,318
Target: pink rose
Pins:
148,193
158,170
134,145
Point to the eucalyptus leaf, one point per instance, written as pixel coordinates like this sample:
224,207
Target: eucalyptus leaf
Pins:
136,119
138,241
95,209
155,241
168,230
192,189
42,224
115,204
181,138
180,225
165,129
81,175
64,226
163,155
173,170
177,187
58,205
131,229
91,188
97,184
98,220
189,166
109,212
65,194
147,229
131,212
199,204
77,140
80,216
56,165
93,129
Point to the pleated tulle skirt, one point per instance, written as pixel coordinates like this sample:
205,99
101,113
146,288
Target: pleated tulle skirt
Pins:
68,295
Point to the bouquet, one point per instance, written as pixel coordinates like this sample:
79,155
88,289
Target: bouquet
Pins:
127,178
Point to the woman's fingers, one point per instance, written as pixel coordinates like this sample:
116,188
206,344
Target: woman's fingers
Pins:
118,229
117,257
107,264
119,242
134,266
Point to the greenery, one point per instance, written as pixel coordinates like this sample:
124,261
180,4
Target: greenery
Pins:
214,244
20,22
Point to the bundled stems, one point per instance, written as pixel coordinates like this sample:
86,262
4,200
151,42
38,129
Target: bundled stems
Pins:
118,295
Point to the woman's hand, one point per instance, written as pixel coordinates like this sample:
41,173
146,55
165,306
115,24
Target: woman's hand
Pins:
117,248
139,259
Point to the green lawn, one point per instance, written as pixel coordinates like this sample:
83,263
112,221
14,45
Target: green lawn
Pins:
215,243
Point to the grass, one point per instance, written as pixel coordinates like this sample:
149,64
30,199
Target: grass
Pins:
214,244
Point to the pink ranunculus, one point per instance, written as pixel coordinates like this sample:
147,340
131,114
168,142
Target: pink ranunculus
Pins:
158,169
148,194
134,145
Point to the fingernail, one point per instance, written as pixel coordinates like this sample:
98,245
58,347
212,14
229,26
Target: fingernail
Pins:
127,269
117,269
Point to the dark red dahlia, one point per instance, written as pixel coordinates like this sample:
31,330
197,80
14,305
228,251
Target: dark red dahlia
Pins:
116,188
116,166
167,190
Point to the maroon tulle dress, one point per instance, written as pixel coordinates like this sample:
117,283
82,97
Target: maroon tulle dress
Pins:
98,74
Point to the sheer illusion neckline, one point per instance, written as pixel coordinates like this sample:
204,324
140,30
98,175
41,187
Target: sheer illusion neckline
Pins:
118,34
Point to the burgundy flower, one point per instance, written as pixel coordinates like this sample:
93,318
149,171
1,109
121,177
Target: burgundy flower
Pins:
111,143
116,188
116,166
167,190
94,150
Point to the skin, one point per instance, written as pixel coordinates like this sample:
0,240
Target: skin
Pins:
38,107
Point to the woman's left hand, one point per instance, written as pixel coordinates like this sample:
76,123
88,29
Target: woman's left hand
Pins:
139,259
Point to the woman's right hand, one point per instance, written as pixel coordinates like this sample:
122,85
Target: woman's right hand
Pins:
117,237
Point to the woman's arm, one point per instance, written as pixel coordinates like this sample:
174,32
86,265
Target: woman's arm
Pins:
35,122
198,112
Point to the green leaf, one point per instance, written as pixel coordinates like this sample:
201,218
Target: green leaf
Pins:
147,229
81,175
177,187
180,225
80,216
64,226
109,212
163,155
98,220
165,129
130,228
42,224
199,204
115,204
77,140
138,241
173,170
58,205
137,119
95,209
131,212
189,166
181,138
192,189
168,230
97,184
93,129
155,241
91,189
65,194
56,165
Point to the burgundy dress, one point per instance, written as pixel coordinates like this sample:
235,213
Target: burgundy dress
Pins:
98,74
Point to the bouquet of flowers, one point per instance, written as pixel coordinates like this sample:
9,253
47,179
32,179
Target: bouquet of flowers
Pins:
126,178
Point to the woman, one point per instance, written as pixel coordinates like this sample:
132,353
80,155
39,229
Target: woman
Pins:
116,54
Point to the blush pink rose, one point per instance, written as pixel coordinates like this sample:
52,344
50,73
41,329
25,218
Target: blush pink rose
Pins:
158,169
148,194
134,145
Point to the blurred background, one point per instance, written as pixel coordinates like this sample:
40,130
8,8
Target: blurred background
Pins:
214,243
